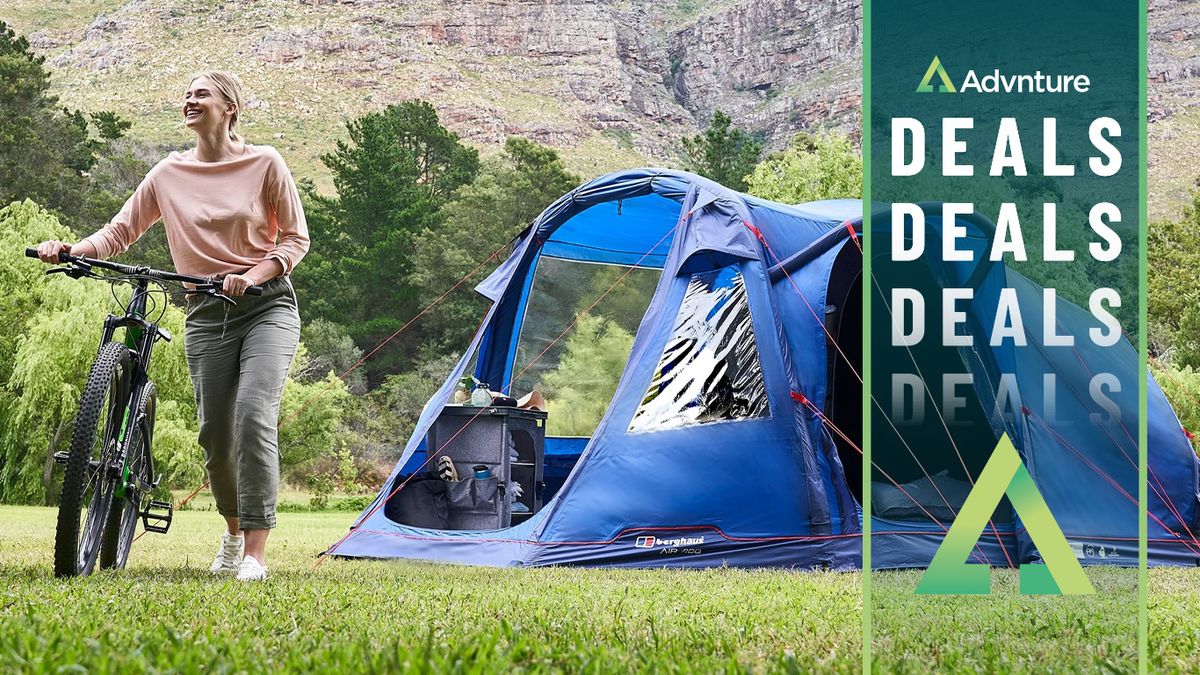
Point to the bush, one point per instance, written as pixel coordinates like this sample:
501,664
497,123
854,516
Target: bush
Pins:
322,487
310,417
54,348
1182,388
580,388
389,414
331,350
53,325
810,169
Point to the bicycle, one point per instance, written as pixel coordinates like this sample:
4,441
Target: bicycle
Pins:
109,470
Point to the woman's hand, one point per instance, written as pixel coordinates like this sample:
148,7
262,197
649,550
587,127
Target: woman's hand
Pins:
235,285
48,250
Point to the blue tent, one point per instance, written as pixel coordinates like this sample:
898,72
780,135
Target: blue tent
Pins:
760,482
1087,473
732,435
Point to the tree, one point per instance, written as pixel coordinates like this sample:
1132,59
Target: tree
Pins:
45,150
511,190
583,383
722,153
330,350
389,413
21,224
310,416
392,177
813,167
109,125
119,169
53,324
1173,279
324,286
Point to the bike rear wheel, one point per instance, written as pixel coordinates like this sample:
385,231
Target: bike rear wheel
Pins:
90,477
124,513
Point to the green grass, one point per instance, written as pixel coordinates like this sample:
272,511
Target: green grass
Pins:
1005,632
166,613
290,500
1174,620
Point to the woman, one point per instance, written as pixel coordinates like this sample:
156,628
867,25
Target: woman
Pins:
230,209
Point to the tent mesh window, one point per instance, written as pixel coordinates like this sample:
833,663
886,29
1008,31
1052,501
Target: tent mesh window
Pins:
709,370
577,371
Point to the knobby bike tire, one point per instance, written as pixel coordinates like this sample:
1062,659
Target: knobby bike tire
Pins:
87,475
123,515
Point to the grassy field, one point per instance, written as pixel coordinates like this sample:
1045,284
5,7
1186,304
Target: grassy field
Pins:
166,613
1174,620
1006,632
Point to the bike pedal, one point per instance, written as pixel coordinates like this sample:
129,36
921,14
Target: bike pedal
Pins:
157,517
62,456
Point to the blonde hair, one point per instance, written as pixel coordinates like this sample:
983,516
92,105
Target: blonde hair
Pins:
230,88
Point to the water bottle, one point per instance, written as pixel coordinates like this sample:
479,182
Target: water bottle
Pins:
481,396
462,391
481,472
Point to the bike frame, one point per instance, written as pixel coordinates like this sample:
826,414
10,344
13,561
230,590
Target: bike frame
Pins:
124,417
140,336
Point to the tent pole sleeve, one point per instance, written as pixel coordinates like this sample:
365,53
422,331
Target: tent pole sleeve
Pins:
812,251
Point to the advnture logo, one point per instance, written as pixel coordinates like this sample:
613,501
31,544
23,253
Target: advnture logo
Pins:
949,573
935,68
997,82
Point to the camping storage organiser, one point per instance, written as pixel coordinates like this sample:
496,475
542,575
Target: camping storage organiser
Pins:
510,442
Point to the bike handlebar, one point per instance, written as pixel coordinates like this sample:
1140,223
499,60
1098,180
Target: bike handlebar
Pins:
148,272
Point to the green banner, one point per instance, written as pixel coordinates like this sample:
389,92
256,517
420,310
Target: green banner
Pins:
1003,157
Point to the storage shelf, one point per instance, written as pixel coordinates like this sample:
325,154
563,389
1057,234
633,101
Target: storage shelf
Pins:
508,441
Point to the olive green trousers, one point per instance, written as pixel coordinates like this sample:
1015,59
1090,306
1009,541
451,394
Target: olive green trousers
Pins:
238,357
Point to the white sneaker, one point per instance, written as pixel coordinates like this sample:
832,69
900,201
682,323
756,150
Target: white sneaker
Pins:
230,554
251,570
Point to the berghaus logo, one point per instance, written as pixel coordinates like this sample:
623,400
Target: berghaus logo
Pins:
937,80
675,542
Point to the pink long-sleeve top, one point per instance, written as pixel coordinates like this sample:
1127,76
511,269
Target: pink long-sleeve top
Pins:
221,217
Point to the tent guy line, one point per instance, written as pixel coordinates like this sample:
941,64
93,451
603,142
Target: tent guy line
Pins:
1062,441
854,235
328,387
380,503
803,400
1159,490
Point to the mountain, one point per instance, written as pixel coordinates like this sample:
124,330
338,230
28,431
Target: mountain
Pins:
609,83
1173,65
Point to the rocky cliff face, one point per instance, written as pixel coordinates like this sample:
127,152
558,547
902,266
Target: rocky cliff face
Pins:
610,83
1173,58
1173,64
776,66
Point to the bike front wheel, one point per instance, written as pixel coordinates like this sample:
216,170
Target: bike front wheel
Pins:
124,512
91,473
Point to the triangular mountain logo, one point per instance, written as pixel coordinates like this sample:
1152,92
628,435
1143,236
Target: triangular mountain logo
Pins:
926,86
949,573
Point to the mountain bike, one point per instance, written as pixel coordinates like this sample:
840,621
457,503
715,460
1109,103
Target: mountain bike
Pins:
109,469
